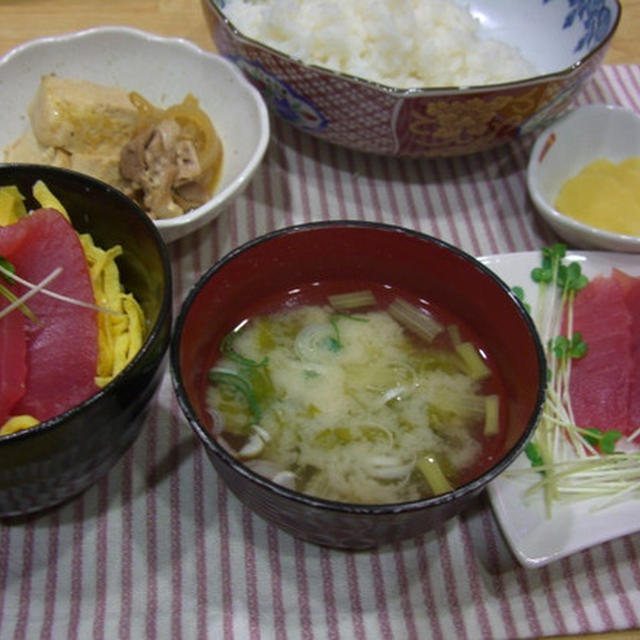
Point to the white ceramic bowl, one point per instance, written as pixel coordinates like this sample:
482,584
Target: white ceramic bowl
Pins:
584,135
163,70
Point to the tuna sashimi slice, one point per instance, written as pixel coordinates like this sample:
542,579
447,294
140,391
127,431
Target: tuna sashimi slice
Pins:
13,363
62,349
600,381
631,291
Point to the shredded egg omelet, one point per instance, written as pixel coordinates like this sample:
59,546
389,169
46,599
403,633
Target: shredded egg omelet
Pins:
120,319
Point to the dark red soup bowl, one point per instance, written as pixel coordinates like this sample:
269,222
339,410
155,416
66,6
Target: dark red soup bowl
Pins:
301,265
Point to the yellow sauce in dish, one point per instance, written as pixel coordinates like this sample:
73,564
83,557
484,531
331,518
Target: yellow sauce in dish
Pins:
605,195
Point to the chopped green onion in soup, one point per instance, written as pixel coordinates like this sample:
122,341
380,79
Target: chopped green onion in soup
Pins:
364,408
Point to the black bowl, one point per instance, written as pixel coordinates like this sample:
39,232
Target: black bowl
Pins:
57,459
305,258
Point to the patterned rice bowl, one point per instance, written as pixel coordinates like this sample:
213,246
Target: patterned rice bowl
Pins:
565,40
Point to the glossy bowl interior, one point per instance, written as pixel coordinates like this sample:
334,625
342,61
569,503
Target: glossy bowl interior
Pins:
586,134
310,257
163,70
47,464
435,121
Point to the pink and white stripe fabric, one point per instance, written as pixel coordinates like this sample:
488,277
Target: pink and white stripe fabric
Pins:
159,548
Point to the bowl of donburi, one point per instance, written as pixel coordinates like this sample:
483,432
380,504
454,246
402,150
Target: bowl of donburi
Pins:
85,322
358,400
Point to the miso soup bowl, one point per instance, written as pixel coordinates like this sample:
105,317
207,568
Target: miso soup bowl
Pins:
278,266
58,459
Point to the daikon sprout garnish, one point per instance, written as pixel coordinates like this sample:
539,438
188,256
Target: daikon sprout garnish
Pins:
7,270
574,462
19,303
34,288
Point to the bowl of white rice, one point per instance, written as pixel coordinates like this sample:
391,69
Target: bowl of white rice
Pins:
420,78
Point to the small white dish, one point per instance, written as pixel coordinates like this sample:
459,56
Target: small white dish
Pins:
535,538
163,70
564,149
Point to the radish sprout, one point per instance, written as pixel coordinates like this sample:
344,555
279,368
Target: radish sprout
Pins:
574,462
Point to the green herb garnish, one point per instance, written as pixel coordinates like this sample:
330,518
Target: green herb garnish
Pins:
533,453
573,461
238,383
227,349
7,271
603,440
518,292
335,342
564,347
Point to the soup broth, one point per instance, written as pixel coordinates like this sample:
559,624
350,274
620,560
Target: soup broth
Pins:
365,399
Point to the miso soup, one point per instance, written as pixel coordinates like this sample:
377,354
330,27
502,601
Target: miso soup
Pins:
357,401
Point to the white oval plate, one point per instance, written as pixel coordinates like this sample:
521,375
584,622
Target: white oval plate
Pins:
534,538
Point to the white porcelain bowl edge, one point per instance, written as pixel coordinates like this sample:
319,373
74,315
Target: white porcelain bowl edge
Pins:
163,70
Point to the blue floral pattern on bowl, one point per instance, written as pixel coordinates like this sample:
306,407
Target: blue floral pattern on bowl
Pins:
565,39
286,102
595,17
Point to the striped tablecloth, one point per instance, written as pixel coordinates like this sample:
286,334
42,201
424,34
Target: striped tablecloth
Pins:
159,548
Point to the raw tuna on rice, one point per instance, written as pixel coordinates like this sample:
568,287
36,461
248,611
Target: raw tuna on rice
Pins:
59,361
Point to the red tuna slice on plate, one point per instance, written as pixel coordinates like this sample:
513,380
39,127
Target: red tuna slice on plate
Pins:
600,380
631,292
62,348
13,360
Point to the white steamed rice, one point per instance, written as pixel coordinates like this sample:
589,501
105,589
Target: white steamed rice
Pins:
401,43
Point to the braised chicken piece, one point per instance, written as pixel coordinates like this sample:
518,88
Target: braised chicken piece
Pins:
166,159
163,170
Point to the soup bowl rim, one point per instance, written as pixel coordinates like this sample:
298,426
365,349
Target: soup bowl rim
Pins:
222,456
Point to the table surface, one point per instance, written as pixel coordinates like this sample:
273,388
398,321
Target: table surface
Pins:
159,549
